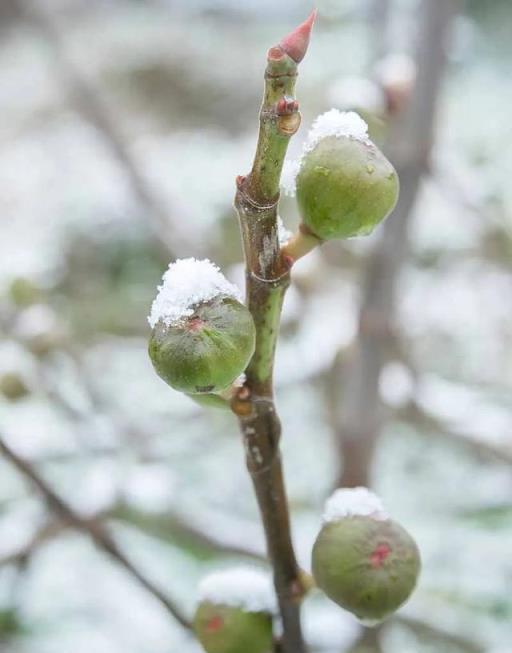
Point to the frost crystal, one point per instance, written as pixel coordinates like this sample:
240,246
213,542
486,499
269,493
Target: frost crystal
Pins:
288,176
336,123
188,282
282,232
331,123
242,587
239,381
352,502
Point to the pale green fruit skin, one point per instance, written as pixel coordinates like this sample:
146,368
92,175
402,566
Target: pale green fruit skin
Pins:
345,188
345,568
225,629
211,401
208,358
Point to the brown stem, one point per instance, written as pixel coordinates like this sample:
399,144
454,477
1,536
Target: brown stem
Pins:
267,280
93,528
361,418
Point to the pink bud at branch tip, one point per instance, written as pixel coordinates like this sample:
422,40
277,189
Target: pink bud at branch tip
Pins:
296,43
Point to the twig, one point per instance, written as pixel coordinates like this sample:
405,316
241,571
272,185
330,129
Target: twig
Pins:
267,279
91,106
409,146
437,428
91,527
426,630
170,526
47,532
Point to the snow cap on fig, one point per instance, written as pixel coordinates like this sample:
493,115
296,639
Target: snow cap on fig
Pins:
203,337
235,611
351,502
186,283
362,560
344,184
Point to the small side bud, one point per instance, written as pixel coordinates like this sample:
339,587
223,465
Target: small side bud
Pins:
234,613
362,560
41,331
345,186
296,43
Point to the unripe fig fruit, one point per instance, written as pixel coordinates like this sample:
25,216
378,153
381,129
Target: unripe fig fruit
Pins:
227,629
12,386
345,187
368,565
235,609
206,351
210,400
23,292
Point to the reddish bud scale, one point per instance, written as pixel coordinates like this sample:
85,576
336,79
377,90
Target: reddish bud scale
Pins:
296,43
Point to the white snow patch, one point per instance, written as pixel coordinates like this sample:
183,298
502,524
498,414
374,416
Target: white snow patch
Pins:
239,381
188,282
351,502
240,587
288,176
331,123
283,234
337,123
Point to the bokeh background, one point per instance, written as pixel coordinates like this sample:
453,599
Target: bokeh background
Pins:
123,125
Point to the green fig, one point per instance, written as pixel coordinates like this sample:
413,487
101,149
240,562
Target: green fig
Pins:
13,386
367,566
227,629
210,400
23,292
235,611
206,351
345,186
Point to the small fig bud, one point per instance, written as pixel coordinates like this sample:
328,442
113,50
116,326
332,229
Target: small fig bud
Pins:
13,386
234,614
24,292
39,328
345,185
362,560
203,337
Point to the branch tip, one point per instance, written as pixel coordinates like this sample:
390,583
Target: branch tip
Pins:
296,43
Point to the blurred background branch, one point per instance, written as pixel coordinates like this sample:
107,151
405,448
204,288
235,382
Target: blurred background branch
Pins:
413,360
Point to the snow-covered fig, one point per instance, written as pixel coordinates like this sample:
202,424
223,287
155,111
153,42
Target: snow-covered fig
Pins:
203,337
345,186
234,613
362,560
